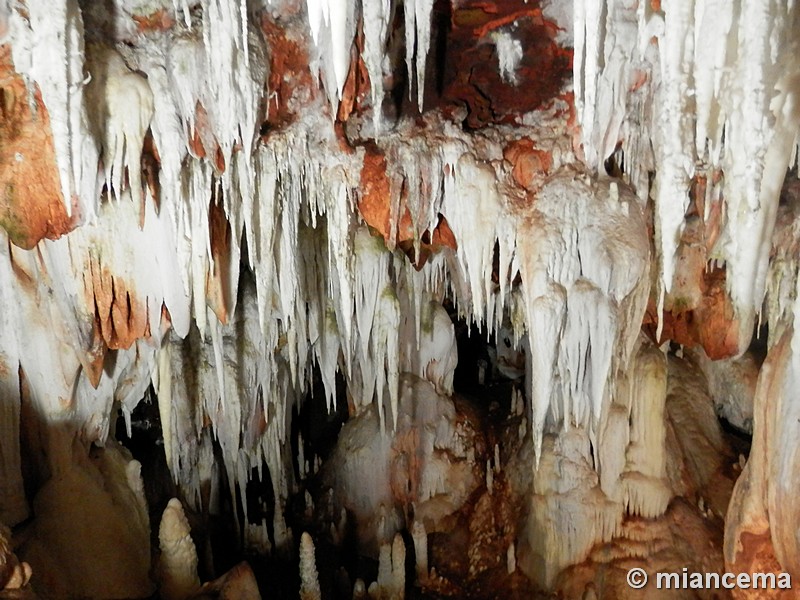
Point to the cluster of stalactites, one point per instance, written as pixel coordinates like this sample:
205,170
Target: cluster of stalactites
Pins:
333,25
690,90
325,293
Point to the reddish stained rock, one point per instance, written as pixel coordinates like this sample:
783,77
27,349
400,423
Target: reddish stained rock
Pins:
698,309
376,210
31,204
757,555
160,20
203,142
470,74
375,201
291,84
530,165
681,538
712,324
443,236
357,86
218,293
151,166
120,317
93,359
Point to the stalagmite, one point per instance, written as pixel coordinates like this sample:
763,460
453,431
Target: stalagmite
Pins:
359,590
309,579
398,568
420,537
177,565
14,574
511,559
646,492
391,581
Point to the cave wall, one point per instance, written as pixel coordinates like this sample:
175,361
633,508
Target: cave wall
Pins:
228,200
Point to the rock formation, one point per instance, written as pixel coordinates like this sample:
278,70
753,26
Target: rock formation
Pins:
501,290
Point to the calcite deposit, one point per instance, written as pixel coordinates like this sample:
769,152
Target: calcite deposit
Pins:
377,298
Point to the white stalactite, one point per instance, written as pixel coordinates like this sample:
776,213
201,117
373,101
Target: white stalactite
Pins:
716,70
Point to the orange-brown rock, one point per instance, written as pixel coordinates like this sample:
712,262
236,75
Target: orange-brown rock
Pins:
203,142
357,86
529,164
376,209
151,166
160,20
758,556
237,584
290,84
712,324
375,204
681,538
121,316
31,202
698,309
93,359
761,522
218,294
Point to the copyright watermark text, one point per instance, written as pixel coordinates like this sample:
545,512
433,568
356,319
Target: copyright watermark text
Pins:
688,580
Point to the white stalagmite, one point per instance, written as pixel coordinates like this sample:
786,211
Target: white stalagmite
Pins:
420,537
383,585
398,585
359,590
433,473
511,559
646,492
177,567
309,579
